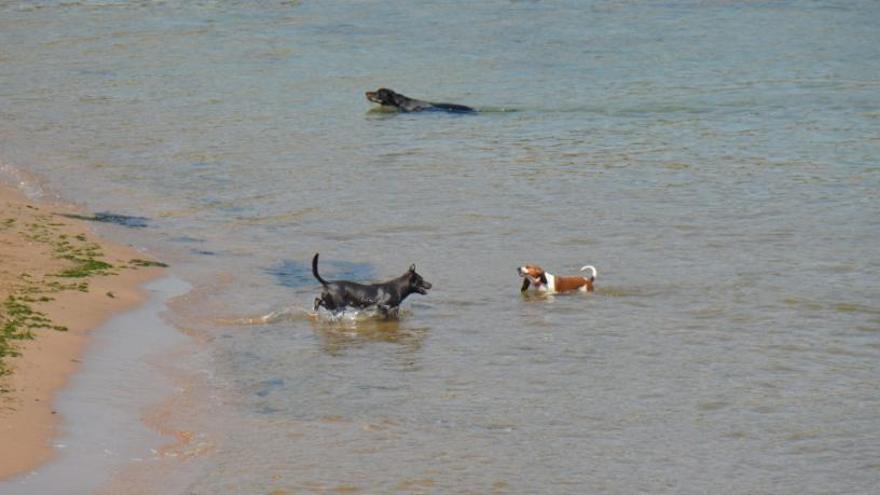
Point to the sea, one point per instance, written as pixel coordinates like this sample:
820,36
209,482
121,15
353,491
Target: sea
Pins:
717,161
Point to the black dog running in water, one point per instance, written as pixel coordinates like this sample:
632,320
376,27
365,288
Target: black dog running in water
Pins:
386,297
388,98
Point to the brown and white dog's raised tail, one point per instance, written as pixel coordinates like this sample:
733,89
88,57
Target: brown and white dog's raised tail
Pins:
535,276
593,269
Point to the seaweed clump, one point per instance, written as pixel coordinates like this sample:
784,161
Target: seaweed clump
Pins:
78,260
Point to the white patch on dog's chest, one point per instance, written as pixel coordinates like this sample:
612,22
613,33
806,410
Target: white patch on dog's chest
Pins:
550,286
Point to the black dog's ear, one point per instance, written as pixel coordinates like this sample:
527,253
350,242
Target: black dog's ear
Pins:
412,268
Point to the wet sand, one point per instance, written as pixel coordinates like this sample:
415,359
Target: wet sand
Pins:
36,245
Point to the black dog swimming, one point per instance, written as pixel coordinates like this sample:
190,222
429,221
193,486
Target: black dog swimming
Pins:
385,297
388,98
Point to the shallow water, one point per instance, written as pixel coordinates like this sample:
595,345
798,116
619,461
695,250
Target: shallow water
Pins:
716,161
101,431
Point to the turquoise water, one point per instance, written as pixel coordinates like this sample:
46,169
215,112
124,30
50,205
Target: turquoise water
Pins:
716,161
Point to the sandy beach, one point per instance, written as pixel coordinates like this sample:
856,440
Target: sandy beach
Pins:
58,281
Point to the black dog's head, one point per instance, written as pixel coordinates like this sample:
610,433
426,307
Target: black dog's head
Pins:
416,282
383,96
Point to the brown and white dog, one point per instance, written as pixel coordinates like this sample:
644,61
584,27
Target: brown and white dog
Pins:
547,282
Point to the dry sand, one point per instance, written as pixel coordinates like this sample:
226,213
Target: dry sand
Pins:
34,240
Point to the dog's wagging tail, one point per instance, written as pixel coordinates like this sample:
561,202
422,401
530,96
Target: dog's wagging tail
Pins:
315,270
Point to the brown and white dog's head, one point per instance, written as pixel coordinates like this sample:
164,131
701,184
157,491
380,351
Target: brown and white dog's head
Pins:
532,274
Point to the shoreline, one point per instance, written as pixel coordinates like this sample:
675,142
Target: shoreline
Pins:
66,282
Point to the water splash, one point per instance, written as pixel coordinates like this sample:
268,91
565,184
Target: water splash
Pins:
23,181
